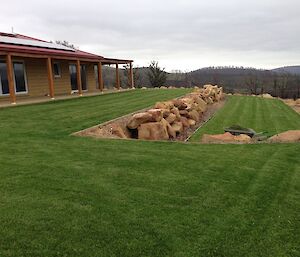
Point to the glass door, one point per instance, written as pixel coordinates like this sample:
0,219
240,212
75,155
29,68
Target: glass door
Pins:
73,77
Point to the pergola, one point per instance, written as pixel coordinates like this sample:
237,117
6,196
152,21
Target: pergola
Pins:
10,51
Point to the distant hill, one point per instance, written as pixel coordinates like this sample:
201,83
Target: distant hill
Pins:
283,82
289,69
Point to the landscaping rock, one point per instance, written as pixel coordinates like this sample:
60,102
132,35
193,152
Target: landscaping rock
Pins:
171,118
157,114
118,131
226,138
184,122
153,131
178,127
194,115
138,119
191,122
291,136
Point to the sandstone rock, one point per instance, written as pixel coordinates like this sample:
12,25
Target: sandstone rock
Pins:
171,131
179,104
242,138
194,115
157,114
153,131
178,127
290,136
209,100
163,87
202,105
191,122
138,119
118,131
184,122
184,113
171,118
225,138
176,112
268,96
160,105
165,112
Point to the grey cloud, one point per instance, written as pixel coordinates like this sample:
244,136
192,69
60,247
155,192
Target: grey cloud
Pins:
191,32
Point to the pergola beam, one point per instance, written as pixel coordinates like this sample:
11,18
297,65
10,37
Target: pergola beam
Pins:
131,79
100,77
118,86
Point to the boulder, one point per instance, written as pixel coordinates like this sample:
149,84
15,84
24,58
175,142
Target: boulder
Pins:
290,136
171,131
184,113
194,115
166,112
160,105
178,127
153,131
176,112
157,114
138,119
242,138
225,138
171,118
184,122
116,130
201,106
179,104
191,122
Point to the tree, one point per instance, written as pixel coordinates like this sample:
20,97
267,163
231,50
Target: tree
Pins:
156,75
136,76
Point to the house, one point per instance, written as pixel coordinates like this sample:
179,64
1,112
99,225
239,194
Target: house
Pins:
31,67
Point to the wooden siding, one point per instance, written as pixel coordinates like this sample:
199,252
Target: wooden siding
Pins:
37,78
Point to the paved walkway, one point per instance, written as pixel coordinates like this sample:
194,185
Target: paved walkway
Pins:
43,99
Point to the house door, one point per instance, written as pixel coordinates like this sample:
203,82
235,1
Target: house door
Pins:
73,77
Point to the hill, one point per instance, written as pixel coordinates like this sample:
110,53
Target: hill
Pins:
289,69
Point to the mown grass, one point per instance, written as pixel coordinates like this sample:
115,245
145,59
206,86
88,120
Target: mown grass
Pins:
68,196
263,115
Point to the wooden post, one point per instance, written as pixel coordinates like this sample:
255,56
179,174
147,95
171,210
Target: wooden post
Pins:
78,72
10,77
50,77
117,77
100,78
131,80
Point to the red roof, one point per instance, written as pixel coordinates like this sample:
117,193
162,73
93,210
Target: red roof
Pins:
26,49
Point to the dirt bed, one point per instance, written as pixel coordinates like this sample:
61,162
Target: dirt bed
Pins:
107,129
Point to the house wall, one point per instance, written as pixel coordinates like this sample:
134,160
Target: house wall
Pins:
37,79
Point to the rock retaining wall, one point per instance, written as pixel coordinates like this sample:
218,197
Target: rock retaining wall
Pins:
167,120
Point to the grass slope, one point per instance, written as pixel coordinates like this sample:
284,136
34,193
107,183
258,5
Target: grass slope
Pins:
262,115
68,196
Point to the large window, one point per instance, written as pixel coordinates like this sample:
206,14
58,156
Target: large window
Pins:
73,77
4,88
20,79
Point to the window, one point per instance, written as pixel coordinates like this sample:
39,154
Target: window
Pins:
4,88
83,77
56,70
20,79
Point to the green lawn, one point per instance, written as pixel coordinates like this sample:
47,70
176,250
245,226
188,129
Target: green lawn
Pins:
62,195
263,115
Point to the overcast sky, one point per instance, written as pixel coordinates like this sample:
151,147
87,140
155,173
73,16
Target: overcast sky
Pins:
180,34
